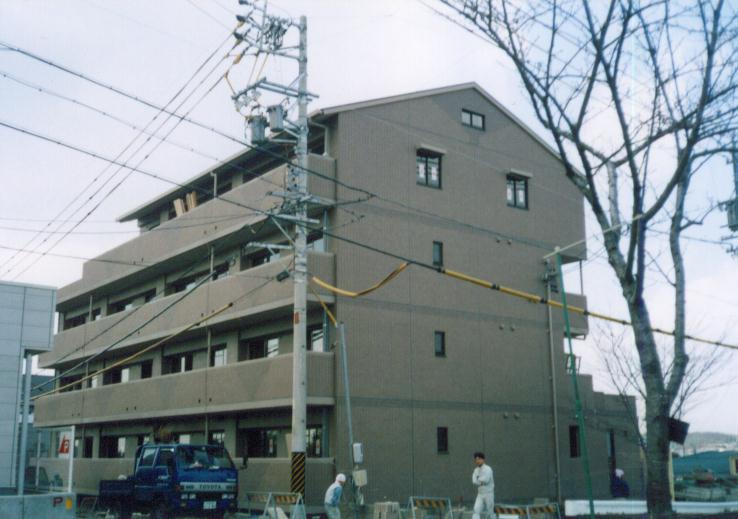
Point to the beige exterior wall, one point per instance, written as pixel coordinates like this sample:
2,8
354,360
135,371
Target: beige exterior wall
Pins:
492,389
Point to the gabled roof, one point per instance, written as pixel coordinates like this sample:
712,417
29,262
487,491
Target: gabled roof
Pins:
327,112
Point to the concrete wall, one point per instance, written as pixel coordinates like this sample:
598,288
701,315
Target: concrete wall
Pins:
254,384
205,299
492,389
54,505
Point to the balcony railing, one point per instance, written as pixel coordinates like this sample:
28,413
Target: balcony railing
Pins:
207,298
254,384
199,226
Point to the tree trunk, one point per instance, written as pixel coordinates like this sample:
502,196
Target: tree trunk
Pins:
658,493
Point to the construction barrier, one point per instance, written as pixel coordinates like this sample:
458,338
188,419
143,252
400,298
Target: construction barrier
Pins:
534,511
430,506
386,510
270,505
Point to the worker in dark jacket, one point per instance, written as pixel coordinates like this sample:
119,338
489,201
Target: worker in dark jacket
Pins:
618,486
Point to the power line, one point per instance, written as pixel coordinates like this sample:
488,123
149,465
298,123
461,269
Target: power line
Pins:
534,298
120,154
207,14
133,231
71,256
89,359
267,151
116,186
125,122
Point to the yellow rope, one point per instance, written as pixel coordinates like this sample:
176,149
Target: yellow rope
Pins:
325,307
347,293
528,296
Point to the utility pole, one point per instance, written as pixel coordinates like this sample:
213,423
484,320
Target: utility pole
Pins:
264,36
298,185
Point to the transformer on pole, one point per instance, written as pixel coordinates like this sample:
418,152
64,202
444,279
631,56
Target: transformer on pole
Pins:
263,34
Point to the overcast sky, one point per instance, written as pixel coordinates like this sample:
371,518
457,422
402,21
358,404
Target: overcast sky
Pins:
357,50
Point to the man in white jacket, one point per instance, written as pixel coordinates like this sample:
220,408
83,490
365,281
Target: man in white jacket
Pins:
484,480
333,497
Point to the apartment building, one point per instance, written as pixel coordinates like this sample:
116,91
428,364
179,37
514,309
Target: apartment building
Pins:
437,368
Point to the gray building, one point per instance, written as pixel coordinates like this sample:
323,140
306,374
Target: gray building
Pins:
26,328
438,368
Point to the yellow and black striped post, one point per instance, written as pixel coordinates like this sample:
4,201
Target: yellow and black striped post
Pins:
297,485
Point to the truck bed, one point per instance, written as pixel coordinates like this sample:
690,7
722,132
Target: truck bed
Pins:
116,487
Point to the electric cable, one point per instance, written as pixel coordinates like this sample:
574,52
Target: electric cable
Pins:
157,343
521,294
269,152
72,256
159,112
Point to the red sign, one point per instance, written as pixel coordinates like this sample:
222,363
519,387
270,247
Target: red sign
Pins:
64,445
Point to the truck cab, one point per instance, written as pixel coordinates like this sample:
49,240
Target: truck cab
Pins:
176,479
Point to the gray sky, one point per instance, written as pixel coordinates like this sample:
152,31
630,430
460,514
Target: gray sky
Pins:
357,50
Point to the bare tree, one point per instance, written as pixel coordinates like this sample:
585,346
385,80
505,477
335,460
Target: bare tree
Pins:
638,97
705,371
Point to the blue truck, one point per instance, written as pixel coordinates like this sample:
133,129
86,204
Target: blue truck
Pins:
171,480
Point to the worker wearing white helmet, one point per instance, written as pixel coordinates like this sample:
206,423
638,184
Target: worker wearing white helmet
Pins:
333,497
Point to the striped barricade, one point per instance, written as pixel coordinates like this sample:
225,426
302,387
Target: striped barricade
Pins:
547,510
270,505
430,506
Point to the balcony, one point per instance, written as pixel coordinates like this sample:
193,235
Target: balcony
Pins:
255,384
213,220
275,297
579,323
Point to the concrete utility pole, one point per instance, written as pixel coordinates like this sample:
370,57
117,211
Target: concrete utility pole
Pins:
269,32
298,185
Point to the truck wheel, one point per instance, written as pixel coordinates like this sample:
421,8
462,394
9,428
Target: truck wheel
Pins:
120,512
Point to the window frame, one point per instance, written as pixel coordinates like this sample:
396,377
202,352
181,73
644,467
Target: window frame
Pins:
472,114
422,155
442,440
437,254
316,335
177,360
439,334
516,179
214,351
575,450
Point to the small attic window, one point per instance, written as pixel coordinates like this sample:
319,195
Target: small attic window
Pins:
472,119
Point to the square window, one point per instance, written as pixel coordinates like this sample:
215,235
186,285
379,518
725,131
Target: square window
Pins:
437,254
313,437
428,168
272,348
146,369
442,440
517,191
178,363
216,438
112,447
218,355
315,339
440,344
258,348
472,119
